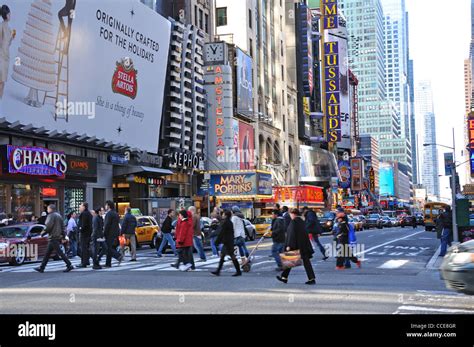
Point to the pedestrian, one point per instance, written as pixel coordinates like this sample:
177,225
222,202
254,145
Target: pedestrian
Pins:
413,221
184,241
343,237
215,228
239,231
314,229
297,239
129,224
98,244
71,232
197,238
446,220
167,237
85,230
286,216
226,239
216,213
34,219
278,237
111,233
278,208
42,218
56,233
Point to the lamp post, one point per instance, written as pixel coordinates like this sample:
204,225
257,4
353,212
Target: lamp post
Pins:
453,186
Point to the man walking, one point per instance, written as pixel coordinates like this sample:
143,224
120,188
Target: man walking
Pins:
446,221
239,231
111,232
85,228
278,237
286,216
129,224
314,229
197,239
98,244
55,230
166,229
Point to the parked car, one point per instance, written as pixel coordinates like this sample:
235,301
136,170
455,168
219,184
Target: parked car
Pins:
457,269
250,230
27,242
373,220
327,221
386,222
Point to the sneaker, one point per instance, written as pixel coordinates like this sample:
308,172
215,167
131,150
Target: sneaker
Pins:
311,282
69,268
40,270
185,267
133,260
339,267
281,279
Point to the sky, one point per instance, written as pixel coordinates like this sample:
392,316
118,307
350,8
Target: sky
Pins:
440,34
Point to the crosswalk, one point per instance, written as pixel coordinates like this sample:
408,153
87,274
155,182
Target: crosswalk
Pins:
144,264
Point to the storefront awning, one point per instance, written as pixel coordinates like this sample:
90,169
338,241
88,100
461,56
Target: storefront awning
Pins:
144,170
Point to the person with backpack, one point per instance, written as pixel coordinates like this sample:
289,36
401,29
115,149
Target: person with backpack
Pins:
313,228
343,237
129,225
278,237
239,231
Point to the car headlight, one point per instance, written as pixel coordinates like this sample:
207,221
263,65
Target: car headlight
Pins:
328,222
462,258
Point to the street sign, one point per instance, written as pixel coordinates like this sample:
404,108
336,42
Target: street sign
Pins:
448,163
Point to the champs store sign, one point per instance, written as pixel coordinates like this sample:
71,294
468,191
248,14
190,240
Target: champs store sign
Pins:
36,161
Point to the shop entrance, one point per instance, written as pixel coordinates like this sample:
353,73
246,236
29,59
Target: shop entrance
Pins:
46,202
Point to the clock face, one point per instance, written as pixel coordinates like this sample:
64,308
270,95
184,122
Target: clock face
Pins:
215,52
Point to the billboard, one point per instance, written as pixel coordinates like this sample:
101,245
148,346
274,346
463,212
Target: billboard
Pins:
246,146
89,67
233,184
264,183
386,180
305,37
332,95
244,83
345,171
317,165
222,140
357,174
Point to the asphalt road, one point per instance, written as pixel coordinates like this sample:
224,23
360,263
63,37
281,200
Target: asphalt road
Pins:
394,278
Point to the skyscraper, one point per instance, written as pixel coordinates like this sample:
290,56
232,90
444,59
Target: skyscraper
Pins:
425,109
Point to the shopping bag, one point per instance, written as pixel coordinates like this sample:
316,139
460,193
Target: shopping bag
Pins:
122,241
291,259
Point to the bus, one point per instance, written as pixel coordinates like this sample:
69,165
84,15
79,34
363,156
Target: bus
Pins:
431,211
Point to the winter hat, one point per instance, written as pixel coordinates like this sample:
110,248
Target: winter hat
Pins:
235,209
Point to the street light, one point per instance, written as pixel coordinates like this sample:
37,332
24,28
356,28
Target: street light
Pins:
453,186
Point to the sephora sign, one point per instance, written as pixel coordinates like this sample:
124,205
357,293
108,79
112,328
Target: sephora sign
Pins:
35,161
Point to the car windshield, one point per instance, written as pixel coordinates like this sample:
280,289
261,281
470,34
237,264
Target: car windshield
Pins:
263,220
13,232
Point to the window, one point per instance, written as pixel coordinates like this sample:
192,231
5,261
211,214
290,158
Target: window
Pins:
221,14
251,47
206,23
195,15
201,19
250,18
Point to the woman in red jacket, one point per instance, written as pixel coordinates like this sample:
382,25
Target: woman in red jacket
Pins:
184,241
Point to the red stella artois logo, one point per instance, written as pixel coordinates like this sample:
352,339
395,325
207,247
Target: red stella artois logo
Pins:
124,80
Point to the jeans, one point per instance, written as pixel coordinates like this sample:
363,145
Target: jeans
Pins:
54,245
446,239
167,239
277,248
240,242
199,247
215,250
307,266
73,247
133,245
317,243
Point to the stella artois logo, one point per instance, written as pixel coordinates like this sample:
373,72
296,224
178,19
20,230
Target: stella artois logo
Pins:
124,80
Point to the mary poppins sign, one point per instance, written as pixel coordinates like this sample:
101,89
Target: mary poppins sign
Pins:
35,161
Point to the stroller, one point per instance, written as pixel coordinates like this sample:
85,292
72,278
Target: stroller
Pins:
247,262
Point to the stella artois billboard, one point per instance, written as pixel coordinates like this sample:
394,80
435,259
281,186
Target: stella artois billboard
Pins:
87,67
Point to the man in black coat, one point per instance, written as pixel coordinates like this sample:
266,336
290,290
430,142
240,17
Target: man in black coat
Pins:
226,238
286,216
98,244
129,224
85,229
297,239
278,237
446,220
314,228
111,232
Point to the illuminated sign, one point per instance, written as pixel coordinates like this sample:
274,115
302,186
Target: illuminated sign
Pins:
306,47
147,180
372,179
36,161
333,98
357,171
81,168
296,194
233,184
345,171
329,11
470,132
49,192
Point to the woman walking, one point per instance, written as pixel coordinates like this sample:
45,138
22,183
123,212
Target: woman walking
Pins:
184,241
226,238
297,239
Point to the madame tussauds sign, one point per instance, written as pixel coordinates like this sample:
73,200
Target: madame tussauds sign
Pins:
36,161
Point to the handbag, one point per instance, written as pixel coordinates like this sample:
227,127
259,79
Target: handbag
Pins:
291,259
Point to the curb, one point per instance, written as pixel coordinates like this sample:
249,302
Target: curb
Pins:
434,258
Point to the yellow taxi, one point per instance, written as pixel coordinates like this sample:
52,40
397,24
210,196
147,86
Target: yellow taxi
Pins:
263,225
147,232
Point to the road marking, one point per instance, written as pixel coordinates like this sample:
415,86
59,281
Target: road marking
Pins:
393,264
389,242
432,261
432,309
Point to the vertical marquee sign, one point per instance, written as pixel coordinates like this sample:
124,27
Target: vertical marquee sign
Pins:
329,10
470,132
332,88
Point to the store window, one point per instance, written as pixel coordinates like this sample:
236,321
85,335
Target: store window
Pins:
23,201
73,198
